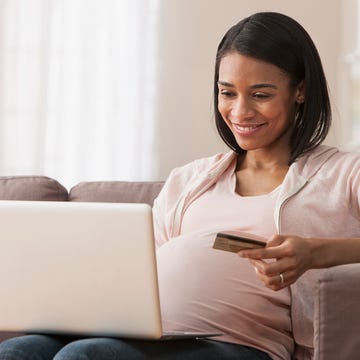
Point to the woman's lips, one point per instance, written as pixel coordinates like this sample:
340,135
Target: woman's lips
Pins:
247,129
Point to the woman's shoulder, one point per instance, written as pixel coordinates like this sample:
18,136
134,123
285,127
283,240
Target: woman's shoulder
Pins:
205,165
329,160
182,179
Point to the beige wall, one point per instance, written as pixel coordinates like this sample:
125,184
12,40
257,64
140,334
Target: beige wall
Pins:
190,31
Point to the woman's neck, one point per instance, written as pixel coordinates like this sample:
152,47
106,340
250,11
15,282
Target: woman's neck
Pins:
257,174
259,160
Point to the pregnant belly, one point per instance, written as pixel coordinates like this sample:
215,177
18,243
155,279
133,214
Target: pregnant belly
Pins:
202,288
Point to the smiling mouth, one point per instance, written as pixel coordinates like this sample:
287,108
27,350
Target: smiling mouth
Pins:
248,129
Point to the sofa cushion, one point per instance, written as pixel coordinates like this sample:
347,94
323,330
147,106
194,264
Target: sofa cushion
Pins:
116,191
40,188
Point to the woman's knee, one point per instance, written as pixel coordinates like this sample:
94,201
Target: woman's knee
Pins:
89,349
29,347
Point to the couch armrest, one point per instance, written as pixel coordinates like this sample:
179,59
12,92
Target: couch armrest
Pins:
337,314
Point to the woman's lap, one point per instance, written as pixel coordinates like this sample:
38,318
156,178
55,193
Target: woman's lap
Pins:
41,347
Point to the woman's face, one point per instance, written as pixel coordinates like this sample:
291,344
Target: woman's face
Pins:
257,102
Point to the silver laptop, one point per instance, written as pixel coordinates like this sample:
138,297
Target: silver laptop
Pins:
80,268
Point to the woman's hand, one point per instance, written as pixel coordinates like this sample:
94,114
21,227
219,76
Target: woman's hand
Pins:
293,256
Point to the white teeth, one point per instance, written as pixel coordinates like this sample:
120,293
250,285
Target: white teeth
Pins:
245,128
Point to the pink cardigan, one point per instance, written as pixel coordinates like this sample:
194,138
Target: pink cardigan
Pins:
319,197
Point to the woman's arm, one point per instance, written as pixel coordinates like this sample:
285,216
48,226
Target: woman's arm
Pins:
291,256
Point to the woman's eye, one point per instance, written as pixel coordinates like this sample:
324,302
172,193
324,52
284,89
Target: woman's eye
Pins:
226,93
260,95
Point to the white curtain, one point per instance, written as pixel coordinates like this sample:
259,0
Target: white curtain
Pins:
77,80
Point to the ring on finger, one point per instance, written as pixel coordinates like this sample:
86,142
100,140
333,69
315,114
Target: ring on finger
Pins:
282,280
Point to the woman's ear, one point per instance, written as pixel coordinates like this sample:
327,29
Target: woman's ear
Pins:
300,92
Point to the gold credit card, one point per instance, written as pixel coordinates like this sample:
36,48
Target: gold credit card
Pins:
234,243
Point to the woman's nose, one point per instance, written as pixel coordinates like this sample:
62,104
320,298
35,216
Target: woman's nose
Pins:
241,109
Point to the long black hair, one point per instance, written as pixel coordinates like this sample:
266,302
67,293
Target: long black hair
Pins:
280,40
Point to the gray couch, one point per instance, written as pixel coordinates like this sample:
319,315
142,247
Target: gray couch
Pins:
336,312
